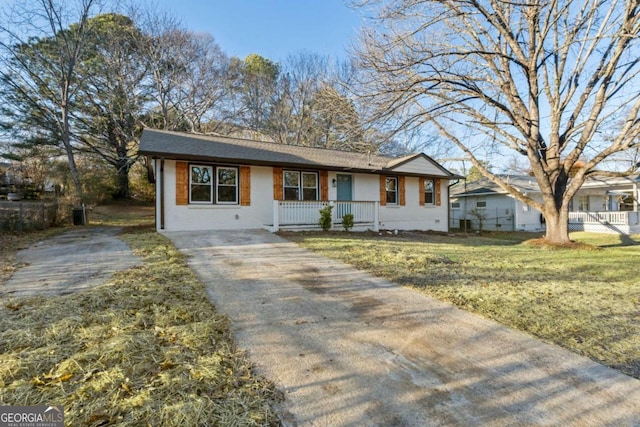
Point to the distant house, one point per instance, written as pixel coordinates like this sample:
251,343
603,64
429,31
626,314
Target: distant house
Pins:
209,183
604,205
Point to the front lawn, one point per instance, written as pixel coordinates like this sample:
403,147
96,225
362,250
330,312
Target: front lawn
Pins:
145,348
586,300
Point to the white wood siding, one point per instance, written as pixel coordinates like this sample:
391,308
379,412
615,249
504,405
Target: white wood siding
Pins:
420,165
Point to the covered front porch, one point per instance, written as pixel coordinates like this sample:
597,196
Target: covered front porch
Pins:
613,222
305,215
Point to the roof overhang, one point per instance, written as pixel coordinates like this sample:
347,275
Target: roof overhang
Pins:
199,148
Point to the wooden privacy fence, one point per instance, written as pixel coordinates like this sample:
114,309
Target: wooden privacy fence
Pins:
25,216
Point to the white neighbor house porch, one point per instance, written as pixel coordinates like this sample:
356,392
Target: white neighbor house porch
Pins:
298,214
621,222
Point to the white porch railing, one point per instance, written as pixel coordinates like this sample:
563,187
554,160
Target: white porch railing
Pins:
613,218
301,214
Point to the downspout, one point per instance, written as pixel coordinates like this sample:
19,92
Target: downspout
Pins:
161,192
449,204
636,194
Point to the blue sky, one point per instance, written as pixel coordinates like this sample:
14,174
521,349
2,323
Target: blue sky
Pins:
271,28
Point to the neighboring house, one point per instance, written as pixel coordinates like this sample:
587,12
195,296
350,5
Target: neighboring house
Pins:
603,205
208,183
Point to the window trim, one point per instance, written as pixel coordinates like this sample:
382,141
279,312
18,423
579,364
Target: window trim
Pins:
583,201
214,185
210,185
481,200
432,192
300,188
387,191
218,185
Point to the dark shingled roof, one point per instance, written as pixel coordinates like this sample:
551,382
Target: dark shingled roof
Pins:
523,183
183,146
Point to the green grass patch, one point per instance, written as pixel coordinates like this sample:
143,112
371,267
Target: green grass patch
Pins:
146,348
586,300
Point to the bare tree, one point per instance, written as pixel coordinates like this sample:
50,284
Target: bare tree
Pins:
163,54
205,84
111,97
544,79
41,44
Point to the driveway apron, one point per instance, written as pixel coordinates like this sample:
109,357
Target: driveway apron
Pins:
348,349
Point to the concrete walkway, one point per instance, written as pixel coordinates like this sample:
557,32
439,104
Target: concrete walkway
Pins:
348,349
81,258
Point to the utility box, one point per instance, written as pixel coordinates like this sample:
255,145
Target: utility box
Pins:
465,224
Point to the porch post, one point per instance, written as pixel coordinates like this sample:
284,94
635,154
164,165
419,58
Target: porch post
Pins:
376,216
276,212
334,214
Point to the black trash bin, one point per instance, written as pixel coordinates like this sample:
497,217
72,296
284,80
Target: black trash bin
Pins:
78,217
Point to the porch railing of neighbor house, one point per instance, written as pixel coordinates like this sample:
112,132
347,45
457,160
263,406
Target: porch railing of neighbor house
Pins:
614,218
306,214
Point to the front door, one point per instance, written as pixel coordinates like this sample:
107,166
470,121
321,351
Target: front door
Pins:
344,193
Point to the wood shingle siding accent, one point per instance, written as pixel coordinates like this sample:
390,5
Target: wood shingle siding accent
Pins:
182,183
437,184
383,190
245,186
277,184
401,191
324,185
421,182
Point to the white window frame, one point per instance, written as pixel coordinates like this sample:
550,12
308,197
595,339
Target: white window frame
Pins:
479,201
433,192
387,191
218,185
211,183
454,205
300,187
583,202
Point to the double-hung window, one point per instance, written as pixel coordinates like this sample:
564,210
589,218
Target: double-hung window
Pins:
300,185
392,190
227,185
210,184
429,192
583,203
200,184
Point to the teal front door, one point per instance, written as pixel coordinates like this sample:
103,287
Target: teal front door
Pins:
344,193
344,187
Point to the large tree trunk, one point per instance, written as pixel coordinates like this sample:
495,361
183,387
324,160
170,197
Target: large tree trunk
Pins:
66,141
123,191
557,222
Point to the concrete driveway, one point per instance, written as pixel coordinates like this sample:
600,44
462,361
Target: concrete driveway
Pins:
348,349
78,259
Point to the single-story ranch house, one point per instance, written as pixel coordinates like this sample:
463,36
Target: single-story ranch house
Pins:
602,205
212,182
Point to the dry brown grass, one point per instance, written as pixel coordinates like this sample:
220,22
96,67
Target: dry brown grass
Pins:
146,348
